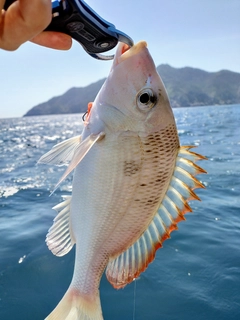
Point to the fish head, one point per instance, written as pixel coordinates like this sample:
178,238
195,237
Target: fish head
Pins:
133,96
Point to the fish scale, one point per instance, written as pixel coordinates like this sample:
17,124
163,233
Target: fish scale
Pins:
119,224
111,199
148,191
131,185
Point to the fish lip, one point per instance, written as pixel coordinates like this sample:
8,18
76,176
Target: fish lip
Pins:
124,51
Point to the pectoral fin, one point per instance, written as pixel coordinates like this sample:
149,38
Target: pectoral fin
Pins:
80,152
62,152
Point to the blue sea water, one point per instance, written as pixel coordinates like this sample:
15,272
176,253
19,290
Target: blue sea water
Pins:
196,275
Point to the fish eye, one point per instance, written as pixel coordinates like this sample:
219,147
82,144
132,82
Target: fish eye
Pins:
146,99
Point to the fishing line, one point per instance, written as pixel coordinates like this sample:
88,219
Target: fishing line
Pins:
134,298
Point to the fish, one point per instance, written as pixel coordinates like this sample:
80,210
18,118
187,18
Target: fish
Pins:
131,184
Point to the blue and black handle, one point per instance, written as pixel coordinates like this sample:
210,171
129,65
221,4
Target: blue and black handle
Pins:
82,23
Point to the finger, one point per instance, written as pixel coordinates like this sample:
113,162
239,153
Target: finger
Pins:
54,40
1,4
22,21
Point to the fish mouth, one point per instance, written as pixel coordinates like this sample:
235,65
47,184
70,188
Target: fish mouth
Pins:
124,51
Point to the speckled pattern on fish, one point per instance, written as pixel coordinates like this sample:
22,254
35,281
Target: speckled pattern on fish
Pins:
131,183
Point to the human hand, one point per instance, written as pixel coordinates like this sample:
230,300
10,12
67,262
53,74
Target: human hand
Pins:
25,20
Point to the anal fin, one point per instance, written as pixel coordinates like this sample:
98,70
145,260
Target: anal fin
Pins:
59,238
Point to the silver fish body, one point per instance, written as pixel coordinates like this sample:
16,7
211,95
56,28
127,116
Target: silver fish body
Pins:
131,183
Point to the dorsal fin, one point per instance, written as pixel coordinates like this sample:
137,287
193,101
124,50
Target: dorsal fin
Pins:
59,238
128,265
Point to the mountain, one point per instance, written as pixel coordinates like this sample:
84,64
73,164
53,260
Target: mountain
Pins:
75,100
194,87
185,86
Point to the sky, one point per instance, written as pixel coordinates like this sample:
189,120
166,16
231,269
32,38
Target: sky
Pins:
202,34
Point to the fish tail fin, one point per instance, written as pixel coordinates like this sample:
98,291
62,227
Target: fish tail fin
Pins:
75,306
